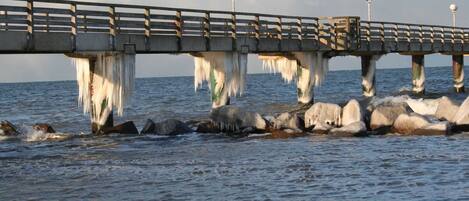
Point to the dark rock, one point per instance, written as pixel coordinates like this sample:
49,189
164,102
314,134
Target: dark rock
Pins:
8,129
207,127
125,128
149,127
45,128
285,134
171,127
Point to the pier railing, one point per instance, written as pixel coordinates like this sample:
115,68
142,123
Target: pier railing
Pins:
266,32
86,17
405,34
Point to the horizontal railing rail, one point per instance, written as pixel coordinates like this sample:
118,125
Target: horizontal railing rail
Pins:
76,17
87,17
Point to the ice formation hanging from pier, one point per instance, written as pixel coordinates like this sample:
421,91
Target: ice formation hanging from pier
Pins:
225,72
309,68
105,81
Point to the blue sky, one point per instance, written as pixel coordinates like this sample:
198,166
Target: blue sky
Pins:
25,68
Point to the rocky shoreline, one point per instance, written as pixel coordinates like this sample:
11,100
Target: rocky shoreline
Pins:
397,115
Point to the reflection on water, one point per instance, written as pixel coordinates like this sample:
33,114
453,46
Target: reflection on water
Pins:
216,167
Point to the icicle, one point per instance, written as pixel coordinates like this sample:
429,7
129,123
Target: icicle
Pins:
287,67
322,66
112,83
226,72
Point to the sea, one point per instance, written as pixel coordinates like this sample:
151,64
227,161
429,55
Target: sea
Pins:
217,166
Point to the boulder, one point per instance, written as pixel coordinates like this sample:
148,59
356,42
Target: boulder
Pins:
462,115
44,128
352,113
446,109
233,119
424,106
125,128
8,129
408,123
288,121
149,127
356,129
207,127
171,127
383,117
285,134
440,128
377,102
322,128
325,114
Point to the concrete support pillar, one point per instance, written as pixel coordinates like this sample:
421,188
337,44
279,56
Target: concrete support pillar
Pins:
305,86
458,73
96,127
369,75
418,74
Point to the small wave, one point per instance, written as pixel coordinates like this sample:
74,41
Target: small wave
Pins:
38,136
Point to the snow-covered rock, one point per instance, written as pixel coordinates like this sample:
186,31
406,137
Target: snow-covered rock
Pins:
424,106
462,115
323,113
233,119
384,116
446,109
352,113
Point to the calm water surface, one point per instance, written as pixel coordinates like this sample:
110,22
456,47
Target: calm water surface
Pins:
215,167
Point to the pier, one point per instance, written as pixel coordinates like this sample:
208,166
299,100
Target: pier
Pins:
102,35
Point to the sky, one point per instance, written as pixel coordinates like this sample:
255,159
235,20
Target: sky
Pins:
52,67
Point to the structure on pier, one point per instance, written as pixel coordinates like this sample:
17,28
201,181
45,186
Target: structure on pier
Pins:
298,47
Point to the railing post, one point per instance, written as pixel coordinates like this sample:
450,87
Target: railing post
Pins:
233,31
453,39
408,37
279,28
207,30
178,24
73,23
442,35
432,38
299,24
257,29
396,35
30,19
368,35
421,37
112,27
85,24
382,36
147,28
47,22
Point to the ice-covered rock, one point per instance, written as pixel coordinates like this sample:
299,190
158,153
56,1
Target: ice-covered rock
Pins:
287,121
416,124
384,116
387,101
462,115
351,130
8,129
233,119
352,113
424,106
408,123
446,109
323,113
322,128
